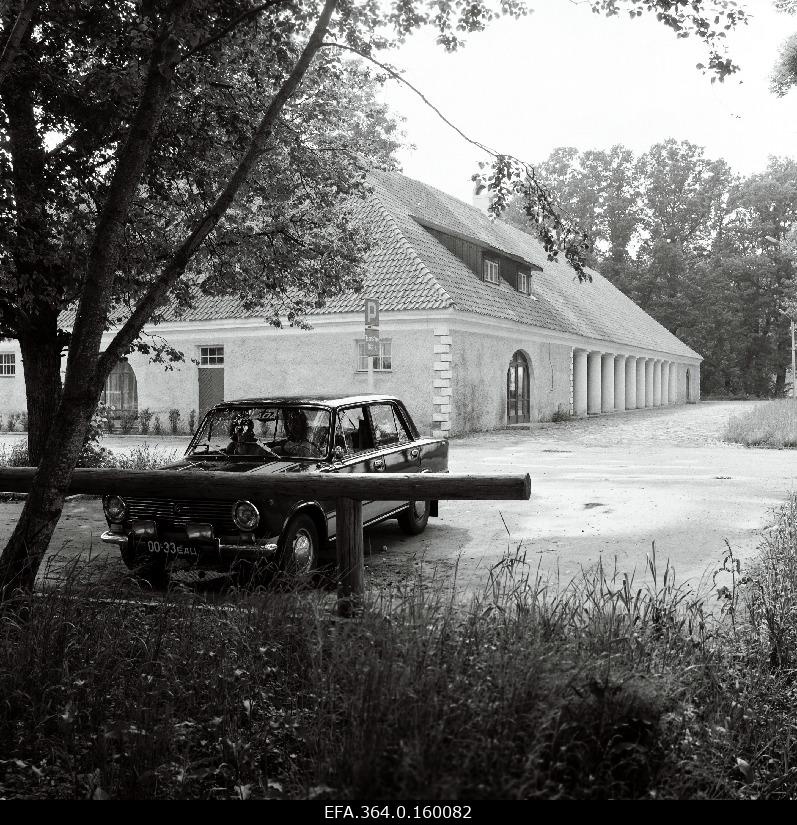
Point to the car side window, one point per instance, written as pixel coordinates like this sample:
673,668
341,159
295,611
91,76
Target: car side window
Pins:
404,435
387,426
353,432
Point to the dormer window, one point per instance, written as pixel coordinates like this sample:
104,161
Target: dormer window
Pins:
524,281
491,270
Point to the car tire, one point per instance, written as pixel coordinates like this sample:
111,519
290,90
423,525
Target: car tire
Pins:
413,521
300,547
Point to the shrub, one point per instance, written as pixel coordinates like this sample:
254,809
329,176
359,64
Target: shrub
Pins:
92,454
156,426
191,422
127,421
174,420
144,418
23,421
145,457
10,422
16,456
561,414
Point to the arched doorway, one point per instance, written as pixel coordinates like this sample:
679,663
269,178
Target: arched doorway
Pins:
121,392
518,389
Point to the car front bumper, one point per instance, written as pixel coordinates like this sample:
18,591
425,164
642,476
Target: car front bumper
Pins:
213,552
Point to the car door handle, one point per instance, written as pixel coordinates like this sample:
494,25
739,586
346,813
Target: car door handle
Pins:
415,452
378,464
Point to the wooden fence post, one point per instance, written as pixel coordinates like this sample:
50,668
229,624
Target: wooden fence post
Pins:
349,542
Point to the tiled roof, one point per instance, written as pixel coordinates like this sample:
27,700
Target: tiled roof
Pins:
410,269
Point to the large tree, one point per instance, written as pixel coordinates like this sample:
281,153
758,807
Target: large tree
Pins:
143,140
707,254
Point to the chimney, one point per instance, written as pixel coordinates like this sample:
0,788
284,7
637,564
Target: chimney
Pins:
481,197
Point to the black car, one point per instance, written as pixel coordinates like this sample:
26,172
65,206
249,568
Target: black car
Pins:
356,434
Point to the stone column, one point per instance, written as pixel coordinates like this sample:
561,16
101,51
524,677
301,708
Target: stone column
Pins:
640,383
673,378
630,382
579,382
657,383
665,384
619,382
594,383
648,382
607,383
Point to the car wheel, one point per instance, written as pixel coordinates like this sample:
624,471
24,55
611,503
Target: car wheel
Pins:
413,520
300,546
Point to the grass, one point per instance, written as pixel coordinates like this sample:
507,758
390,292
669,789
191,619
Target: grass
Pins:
144,456
599,689
771,424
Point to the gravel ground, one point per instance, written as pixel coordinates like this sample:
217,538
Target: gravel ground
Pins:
603,489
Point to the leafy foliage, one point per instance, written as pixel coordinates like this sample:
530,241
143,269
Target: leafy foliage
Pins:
709,255
707,21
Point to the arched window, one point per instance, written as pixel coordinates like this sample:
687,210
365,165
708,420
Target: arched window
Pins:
121,390
518,389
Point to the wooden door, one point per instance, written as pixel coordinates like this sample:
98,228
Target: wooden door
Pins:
211,388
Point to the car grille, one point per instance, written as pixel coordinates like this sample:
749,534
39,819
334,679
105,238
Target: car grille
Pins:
179,512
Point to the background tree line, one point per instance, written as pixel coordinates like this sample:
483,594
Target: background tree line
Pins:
706,252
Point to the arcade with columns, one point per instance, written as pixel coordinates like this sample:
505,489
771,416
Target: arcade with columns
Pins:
606,382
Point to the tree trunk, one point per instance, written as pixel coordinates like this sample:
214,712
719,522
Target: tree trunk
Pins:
41,362
86,368
780,383
25,550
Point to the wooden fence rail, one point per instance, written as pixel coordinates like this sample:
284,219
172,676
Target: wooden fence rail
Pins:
348,490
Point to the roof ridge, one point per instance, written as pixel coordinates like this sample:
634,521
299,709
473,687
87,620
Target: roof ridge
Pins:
424,270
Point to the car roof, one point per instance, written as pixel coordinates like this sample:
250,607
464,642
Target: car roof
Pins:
307,400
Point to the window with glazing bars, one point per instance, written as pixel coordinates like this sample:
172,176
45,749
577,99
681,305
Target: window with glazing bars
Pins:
382,362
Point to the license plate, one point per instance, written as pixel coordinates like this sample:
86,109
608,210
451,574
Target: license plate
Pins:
170,548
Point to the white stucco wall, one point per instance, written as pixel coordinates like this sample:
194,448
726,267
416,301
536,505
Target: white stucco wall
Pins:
480,361
262,360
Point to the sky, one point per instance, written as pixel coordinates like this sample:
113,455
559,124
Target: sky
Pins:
567,77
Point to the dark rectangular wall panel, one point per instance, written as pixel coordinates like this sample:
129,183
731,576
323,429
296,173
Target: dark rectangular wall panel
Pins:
211,388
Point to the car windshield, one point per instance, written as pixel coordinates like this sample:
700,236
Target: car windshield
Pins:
273,430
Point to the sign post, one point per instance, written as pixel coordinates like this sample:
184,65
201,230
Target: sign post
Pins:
793,354
371,337
793,366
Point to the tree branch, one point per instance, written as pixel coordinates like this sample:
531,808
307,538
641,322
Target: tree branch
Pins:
19,30
247,15
95,300
396,76
158,292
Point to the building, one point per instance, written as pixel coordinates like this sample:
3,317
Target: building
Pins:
478,330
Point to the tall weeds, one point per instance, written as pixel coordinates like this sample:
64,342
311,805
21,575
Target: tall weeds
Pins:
601,688
771,424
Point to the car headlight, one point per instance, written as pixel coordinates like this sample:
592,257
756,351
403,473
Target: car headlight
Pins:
115,508
245,515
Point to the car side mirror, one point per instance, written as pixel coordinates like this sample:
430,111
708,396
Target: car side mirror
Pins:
339,453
